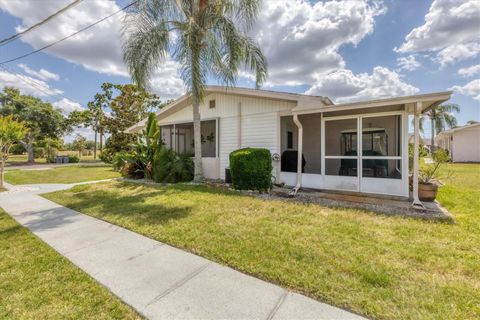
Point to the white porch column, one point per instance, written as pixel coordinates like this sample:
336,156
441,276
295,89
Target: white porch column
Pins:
416,145
300,153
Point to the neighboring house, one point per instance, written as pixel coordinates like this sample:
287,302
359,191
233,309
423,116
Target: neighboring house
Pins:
287,124
462,143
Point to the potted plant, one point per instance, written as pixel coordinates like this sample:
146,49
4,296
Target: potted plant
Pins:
429,175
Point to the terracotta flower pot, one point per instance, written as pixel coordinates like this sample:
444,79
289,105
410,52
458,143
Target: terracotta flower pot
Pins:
427,191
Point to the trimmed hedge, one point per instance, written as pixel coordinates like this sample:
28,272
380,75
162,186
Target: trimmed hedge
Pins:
251,169
73,159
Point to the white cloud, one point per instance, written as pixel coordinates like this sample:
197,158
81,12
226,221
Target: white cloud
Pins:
451,30
85,132
66,106
27,85
41,74
97,49
345,86
301,39
470,71
408,63
471,89
458,52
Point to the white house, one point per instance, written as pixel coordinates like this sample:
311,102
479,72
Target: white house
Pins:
463,143
324,136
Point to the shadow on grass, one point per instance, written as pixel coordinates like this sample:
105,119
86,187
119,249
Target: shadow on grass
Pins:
111,204
181,187
10,231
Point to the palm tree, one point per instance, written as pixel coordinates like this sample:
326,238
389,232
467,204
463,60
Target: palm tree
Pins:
207,38
440,117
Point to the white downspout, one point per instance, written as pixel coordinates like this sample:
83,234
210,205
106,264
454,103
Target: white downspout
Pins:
416,144
299,156
239,125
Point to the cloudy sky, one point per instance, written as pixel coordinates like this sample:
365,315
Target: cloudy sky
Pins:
348,50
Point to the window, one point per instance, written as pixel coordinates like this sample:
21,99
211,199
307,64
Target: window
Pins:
289,140
212,104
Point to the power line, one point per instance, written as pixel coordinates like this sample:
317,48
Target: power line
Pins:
33,84
71,35
19,34
30,83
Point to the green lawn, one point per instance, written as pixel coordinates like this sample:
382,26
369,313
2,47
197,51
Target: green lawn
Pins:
38,283
69,174
379,266
21,159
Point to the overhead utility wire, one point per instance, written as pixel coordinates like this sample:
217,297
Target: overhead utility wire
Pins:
71,35
19,34
30,83
33,84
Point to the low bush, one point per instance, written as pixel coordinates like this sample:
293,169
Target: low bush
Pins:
127,164
73,159
17,149
107,155
170,167
251,169
38,152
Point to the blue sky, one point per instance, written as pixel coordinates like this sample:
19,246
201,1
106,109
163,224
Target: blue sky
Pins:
354,50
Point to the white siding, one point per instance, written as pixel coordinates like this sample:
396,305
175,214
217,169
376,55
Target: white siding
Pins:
258,122
466,145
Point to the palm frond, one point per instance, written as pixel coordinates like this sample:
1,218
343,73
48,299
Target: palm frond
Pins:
145,48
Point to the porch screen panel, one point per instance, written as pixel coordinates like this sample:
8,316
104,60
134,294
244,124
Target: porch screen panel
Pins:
209,136
184,138
341,145
166,135
312,127
382,146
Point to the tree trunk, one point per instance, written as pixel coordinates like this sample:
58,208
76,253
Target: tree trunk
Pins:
197,137
101,140
29,147
197,134
95,146
2,173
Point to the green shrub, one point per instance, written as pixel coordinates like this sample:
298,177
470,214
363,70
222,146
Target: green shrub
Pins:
171,167
17,148
251,169
73,159
38,152
107,155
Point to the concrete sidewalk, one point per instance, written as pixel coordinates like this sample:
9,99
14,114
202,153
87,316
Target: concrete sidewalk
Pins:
159,281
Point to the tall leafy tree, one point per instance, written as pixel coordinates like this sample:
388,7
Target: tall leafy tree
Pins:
96,112
11,131
440,117
128,104
79,144
41,118
207,38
